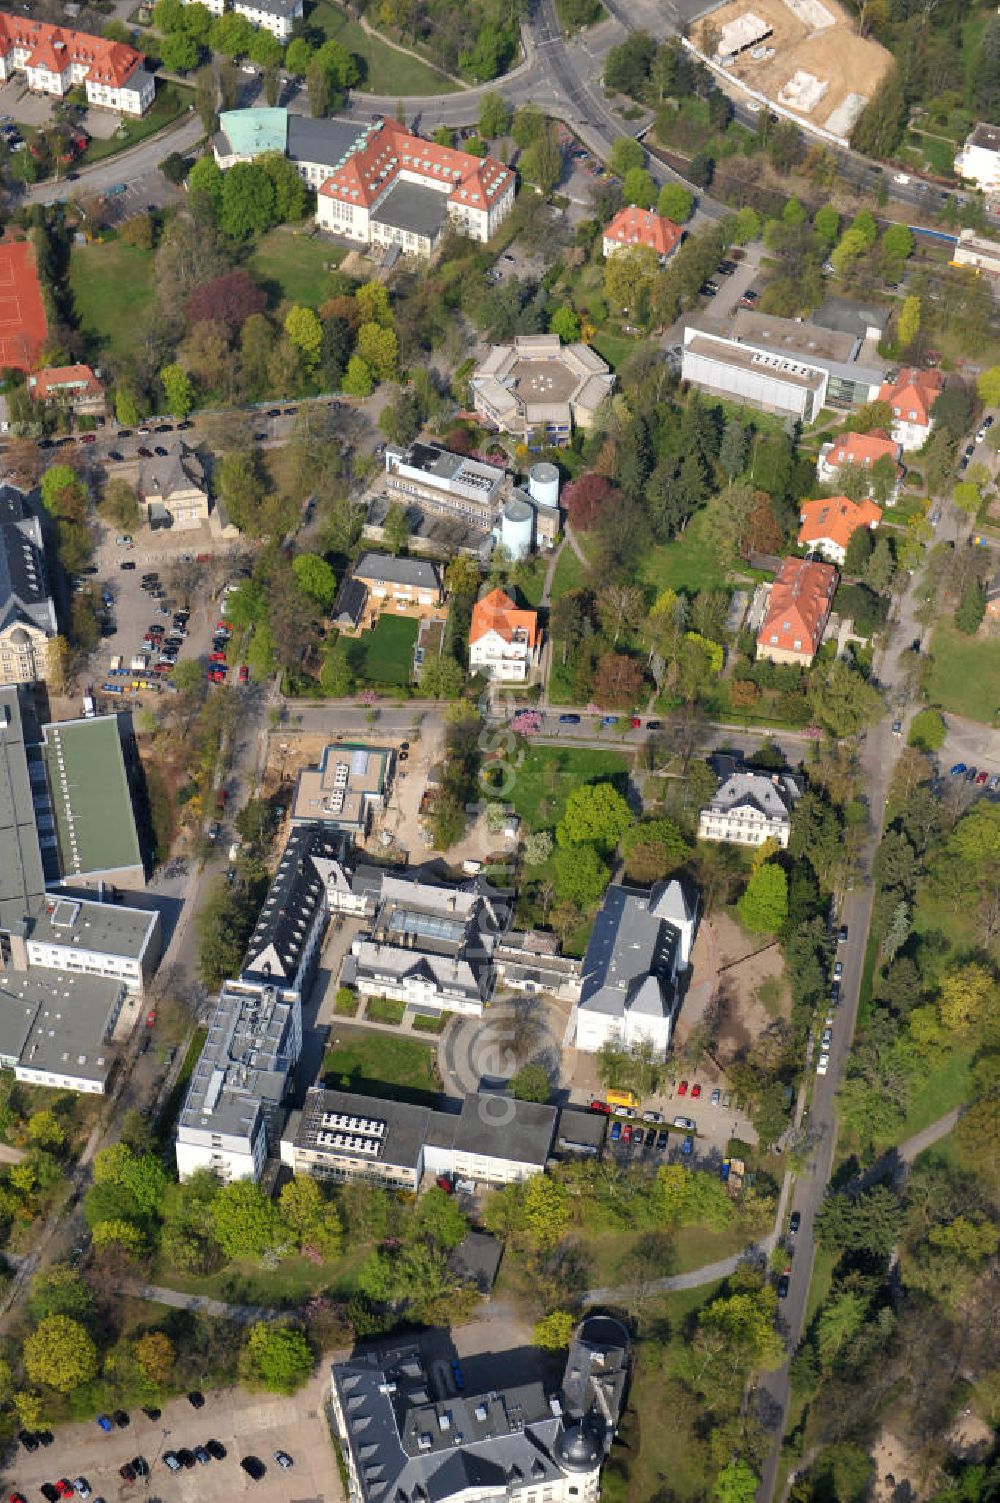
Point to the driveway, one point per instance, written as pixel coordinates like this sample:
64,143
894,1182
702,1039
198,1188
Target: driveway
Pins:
247,1424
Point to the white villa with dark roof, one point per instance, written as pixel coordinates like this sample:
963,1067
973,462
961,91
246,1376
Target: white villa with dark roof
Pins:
640,944
749,808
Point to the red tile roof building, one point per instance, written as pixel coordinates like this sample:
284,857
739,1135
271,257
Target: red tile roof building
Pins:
862,451
632,226
56,60
22,312
829,524
503,641
394,188
911,397
75,386
797,612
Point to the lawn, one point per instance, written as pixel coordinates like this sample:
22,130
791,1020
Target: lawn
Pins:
287,1286
947,1087
615,348
385,1010
171,100
691,563
385,655
383,69
112,287
569,573
295,266
691,1247
379,1064
965,674
544,779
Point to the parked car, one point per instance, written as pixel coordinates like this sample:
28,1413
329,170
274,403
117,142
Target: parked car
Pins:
600,1106
196,1399
616,1132
28,1439
284,1460
794,1222
201,1456
957,770
838,970
687,1147
140,1466
981,778
627,1133
569,720
216,1450
171,1462
842,935
971,774
686,1124
695,1091
823,1063
749,298
662,1139
254,1467
784,1283
716,1096
105,1423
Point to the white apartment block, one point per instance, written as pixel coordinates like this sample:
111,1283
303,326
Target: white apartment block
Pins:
276,16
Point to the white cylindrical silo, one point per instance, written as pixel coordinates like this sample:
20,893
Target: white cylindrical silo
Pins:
543,483
517,527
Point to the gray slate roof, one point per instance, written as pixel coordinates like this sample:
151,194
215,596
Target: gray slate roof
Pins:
631,958
326,142
24,585
772,794
296,894
417,572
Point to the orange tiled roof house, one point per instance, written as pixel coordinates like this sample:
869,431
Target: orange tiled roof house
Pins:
56,60
503,640
911,397
797,612
829,524
861,451
633,226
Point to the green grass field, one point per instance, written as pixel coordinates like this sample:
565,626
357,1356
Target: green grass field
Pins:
112,287
569,573
400,1069
385,1010
691,563
295,266
385,655
548,773
965,674
383,69
615,348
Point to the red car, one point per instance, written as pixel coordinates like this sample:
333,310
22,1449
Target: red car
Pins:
982,778
696,1091
64,1488
16,1498
445,1184
223,626
243,676
217,675
602,1107
217,657
636,723
627,1133
151,1018
682,1089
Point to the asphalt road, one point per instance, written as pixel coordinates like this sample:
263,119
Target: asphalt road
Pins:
879,752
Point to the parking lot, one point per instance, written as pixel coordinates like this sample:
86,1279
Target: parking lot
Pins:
186,583
246,1424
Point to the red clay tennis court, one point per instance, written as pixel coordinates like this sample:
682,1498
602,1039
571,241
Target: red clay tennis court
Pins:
22,313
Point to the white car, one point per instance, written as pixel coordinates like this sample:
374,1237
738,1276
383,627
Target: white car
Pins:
283,1459
823,1064
827,1038
81,1486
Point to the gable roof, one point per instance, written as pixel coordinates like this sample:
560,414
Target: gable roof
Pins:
24,586
861,449
180,471
497,612
913,391
380,157
55,47
836,518
634,226
799,605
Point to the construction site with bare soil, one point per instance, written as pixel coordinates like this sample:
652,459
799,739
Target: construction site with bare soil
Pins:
803,55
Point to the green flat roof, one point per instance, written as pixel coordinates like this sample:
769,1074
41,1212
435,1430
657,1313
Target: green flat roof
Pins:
251,131
91,797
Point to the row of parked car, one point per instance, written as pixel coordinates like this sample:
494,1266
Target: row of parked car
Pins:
981,779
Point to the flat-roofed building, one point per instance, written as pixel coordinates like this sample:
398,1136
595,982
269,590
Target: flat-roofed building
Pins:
351,782
97,939
234,1110
492,1139
539,389
91,765
56,1028
446,483
977,253
24,869
778,364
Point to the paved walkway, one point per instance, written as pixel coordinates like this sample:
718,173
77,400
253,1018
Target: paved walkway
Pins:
180,1300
